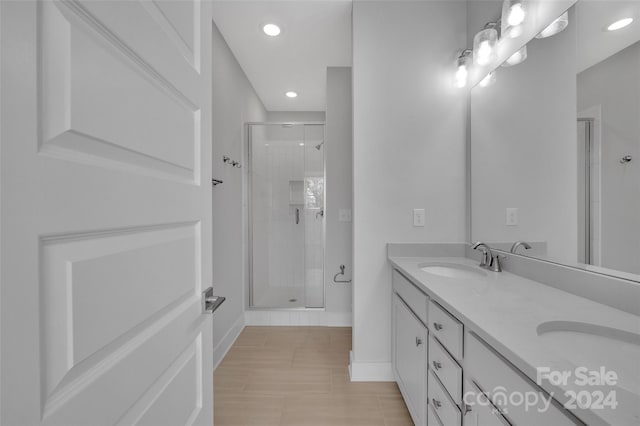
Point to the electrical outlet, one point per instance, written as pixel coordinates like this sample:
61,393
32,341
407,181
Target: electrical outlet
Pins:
512,216
344,215
418,217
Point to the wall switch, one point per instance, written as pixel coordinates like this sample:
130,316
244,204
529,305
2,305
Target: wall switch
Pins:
418,217
344,215
512,216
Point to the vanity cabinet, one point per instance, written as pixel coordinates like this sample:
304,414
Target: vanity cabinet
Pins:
410,349
448,375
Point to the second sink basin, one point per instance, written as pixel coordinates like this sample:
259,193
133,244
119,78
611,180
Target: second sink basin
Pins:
452,270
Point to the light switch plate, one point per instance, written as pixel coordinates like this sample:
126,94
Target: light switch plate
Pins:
344,215
512,216
418,217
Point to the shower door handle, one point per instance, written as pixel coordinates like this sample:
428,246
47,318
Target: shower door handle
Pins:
297,216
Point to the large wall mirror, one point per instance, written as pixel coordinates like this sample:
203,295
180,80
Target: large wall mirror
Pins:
555,145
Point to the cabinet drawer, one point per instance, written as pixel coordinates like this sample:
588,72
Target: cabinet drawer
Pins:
447,329
446,369
488,370
478,410
445,409
413,297
432,417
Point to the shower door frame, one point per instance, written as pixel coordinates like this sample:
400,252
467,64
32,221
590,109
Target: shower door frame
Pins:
249,215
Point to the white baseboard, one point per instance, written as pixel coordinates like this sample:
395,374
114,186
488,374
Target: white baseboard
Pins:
339,319
370,371
223,346
311,317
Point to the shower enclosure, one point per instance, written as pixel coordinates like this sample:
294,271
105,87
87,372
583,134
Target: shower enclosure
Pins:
286,215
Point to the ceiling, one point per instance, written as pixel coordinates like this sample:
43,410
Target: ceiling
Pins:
315,35
592,18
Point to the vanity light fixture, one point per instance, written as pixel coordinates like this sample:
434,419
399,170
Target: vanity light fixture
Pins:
513,15
517,58
618,25
272,30
556,26
291,95
462,70
484,45
488,80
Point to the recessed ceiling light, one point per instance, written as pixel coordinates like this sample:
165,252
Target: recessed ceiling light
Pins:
271,30
619,24
291,95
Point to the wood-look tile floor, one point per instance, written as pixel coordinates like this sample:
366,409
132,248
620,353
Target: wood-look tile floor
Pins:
299,376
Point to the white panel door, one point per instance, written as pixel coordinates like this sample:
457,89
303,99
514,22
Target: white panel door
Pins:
105,212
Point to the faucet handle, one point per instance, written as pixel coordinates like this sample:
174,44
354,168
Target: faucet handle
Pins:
495,264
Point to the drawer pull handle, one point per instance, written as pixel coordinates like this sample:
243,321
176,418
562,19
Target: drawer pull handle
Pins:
437,365
418,341
437,326
436,403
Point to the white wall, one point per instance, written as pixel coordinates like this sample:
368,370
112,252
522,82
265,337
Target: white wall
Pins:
234,103
524,150
409,126
295,116
339,181
612,86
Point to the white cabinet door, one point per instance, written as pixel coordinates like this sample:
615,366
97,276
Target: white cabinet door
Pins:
410,342
105,212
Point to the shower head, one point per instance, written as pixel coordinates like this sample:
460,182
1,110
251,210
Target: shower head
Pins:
319,145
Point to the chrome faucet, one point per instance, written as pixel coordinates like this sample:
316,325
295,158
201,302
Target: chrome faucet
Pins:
517,244
487,255
489,260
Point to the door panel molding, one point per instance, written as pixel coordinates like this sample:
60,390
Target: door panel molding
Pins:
174,380
190,49
87,118
108,272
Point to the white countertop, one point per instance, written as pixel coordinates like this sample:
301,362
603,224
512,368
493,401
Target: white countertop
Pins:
505,310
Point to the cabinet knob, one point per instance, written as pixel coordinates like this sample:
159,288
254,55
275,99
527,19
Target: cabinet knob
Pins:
418,341
436,403
437,326
437,365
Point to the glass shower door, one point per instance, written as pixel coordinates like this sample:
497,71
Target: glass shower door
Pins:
314,212
286,216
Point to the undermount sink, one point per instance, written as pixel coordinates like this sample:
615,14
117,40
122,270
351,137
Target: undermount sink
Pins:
586,329
589,345
452,270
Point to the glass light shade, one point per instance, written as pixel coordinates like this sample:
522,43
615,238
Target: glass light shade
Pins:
513,16
462,70
488,80
556,26
484,46
517,58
